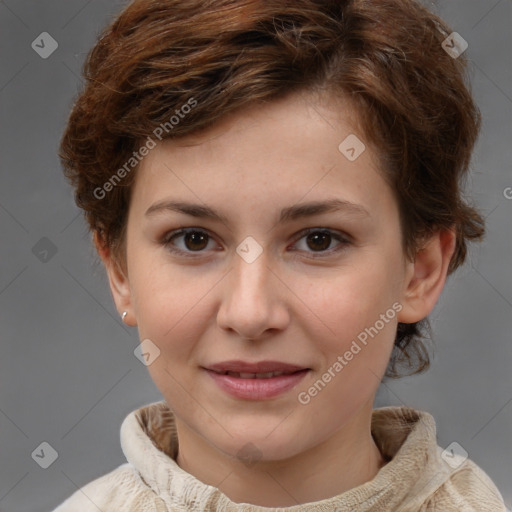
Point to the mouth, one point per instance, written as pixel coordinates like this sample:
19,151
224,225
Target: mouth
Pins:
256,381
265,375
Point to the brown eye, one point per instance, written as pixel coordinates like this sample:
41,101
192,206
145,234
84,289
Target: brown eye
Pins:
195,240
192,241
319,240
315,242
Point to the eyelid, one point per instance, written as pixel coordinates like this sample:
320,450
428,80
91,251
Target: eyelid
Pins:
335,233
343,238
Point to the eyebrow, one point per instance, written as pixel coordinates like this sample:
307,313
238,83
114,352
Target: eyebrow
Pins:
288,214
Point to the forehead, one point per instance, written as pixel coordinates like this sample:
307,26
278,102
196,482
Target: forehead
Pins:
268,153
291,125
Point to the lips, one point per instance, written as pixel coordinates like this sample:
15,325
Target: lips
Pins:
256,381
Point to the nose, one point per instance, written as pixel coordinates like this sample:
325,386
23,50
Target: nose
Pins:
253,301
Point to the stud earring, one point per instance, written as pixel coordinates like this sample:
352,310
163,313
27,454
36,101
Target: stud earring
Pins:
123,316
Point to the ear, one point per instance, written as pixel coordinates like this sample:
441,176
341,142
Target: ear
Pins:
118,280
426,276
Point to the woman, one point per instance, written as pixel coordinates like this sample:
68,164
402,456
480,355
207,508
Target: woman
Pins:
274,189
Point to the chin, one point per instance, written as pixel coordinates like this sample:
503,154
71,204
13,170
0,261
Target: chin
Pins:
261,442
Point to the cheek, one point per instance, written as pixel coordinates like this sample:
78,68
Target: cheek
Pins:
168,302
350,298
171,307
355,350
350,327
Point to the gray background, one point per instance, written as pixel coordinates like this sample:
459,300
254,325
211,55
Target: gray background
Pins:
68,373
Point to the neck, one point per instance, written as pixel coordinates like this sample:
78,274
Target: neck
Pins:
345,460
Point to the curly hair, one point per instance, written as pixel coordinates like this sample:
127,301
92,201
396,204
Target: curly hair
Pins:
160,59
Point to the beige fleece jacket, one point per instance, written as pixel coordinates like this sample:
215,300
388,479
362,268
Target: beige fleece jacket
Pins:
416,478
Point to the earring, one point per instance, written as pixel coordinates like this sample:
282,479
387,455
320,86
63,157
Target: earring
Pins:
123,316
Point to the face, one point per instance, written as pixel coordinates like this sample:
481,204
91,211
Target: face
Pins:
264,281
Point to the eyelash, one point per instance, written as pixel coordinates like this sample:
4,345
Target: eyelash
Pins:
344,241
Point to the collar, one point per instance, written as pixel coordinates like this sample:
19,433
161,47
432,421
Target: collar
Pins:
405,437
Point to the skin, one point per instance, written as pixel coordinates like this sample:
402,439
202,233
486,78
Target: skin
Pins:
286,305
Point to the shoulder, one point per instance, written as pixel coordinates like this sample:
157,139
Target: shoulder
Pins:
121,489
467,489
432,478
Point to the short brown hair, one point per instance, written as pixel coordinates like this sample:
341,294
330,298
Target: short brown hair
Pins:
385,56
